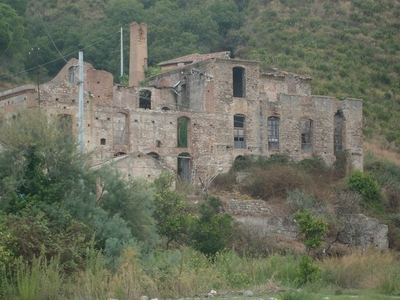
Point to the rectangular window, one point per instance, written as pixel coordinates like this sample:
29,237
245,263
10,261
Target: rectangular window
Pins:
239,135
145,99
338,131
239,82
307,136
273,133
183,126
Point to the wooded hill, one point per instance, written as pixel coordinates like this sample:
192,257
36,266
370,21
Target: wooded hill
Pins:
349,48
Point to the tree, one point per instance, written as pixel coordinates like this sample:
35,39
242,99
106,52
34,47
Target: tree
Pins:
47,184
11,31
311,228
213,231
170,211
18,5
132,201
38,163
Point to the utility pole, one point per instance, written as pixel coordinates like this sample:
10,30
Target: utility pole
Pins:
36,50
80,108
122,53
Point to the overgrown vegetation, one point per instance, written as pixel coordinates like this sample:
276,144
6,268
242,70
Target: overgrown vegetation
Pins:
326,192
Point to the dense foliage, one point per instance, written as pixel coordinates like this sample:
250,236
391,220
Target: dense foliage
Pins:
53,204
350,48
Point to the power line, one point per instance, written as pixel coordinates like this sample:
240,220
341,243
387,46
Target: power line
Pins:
54,60
48,33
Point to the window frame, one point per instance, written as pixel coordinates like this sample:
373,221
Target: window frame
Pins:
273,124
307,135
239,132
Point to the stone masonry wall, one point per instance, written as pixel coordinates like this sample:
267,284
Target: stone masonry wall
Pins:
115,125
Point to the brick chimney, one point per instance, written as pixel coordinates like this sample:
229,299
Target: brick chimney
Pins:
138,53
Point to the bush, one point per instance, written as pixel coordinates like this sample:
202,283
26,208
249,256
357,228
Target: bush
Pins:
213,231
308,271
224,181
274,181
366,185
312,228
300,199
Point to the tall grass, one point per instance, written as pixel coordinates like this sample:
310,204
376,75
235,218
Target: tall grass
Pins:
372,270
37,279
186,273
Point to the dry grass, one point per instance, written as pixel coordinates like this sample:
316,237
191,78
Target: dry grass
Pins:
361,270
383,150
274,182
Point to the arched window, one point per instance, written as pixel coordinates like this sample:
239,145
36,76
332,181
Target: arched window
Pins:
145,99
120,129
239,82
306,136
102,141
183,132
273,133
338,135
239,131
184,167
154,155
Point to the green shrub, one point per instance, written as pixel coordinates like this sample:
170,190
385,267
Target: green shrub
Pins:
366,185
213,231
312,228
308,271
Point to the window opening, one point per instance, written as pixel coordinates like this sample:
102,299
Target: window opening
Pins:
239,134
120,129
158,143
145,99
183,127
154,155
306,136
273,133
239,82
184,167
338,120
102,141
71,74
119,153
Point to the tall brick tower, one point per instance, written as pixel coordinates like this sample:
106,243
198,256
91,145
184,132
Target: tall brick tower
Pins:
138,53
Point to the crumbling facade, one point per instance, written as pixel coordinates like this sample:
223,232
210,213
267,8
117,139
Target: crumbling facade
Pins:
198,115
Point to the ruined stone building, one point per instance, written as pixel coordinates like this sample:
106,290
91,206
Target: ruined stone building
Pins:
198,115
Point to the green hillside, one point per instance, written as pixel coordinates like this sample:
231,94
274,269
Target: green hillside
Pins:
349,48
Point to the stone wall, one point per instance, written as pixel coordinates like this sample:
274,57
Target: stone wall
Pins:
360,232
209,95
